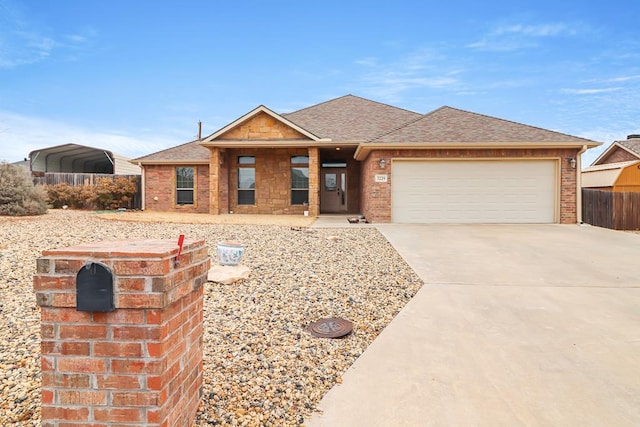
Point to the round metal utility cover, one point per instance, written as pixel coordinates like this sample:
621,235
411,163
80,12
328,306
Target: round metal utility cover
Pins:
331,327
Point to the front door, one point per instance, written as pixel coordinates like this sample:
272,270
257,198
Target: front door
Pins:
333,196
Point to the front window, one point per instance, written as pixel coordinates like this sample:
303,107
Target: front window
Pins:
299,180
184,185
246,180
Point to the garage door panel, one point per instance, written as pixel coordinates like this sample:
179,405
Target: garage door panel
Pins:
501,191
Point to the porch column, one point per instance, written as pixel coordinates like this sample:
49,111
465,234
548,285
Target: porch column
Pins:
214,181
314,180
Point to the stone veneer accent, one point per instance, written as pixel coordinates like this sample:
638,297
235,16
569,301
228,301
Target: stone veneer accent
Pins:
140,365
376,197
273,181
262,127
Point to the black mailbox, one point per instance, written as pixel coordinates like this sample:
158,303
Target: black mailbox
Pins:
94,288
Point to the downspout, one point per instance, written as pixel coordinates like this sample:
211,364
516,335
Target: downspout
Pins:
142,185
579,184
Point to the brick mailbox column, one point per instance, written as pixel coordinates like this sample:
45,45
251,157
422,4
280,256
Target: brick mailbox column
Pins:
138,364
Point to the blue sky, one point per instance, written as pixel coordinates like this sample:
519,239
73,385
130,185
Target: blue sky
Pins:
135,77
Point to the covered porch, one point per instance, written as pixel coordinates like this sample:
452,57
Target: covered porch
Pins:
253,179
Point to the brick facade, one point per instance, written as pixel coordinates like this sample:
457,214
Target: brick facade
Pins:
160,189
376,197
140,365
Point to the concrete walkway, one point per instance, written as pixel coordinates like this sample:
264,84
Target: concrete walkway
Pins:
535,325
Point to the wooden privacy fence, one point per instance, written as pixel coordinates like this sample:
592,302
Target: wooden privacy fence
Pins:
80,179
615,210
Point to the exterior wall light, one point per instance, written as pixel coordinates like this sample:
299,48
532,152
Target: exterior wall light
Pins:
572,162
382,163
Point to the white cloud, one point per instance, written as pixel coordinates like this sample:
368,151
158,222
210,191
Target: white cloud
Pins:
594,91
23,42
521,36
421,69
620,79
19,135
541,30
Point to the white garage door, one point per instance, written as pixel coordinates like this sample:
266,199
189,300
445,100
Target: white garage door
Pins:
473,191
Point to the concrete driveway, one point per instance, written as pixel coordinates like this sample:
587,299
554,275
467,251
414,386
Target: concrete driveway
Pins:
535,325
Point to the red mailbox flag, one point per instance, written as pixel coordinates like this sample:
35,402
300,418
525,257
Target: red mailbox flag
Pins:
180,242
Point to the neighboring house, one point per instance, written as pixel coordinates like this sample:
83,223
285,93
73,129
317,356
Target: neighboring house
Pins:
353,155
74,158
23,163
617,168
620,151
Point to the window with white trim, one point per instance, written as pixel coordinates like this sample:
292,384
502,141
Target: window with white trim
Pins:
246,180
185,185
299,180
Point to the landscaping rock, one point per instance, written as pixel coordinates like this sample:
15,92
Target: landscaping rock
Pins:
261,365
228,274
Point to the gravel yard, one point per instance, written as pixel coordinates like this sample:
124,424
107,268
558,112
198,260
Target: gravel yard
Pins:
262,368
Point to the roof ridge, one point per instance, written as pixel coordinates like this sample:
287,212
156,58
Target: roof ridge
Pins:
349,95
423,116
410,122
315,105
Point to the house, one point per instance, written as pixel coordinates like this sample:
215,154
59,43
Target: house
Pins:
353,155
617,168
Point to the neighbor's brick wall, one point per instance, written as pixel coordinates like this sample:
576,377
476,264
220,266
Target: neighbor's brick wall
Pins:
376,197
618,155
140,365
160,182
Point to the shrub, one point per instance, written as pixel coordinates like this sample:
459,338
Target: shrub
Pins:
106,194
59,195
18,195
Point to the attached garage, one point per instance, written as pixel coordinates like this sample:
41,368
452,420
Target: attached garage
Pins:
475,191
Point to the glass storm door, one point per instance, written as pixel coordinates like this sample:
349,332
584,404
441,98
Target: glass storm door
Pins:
333,196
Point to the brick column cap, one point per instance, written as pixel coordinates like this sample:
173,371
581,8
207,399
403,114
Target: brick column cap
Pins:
126,248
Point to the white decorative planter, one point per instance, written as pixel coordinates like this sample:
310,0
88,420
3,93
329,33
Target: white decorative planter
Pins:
229,253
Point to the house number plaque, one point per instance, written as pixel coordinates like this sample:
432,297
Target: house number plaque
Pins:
381,178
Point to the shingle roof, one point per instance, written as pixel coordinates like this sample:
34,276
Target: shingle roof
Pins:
632,145
190,152
351,118
451,125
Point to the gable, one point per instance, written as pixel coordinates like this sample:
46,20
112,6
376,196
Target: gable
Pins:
617,154
620,151
262,126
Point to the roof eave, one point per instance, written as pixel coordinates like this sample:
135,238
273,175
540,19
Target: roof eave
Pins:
364,148
169,162
277,143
